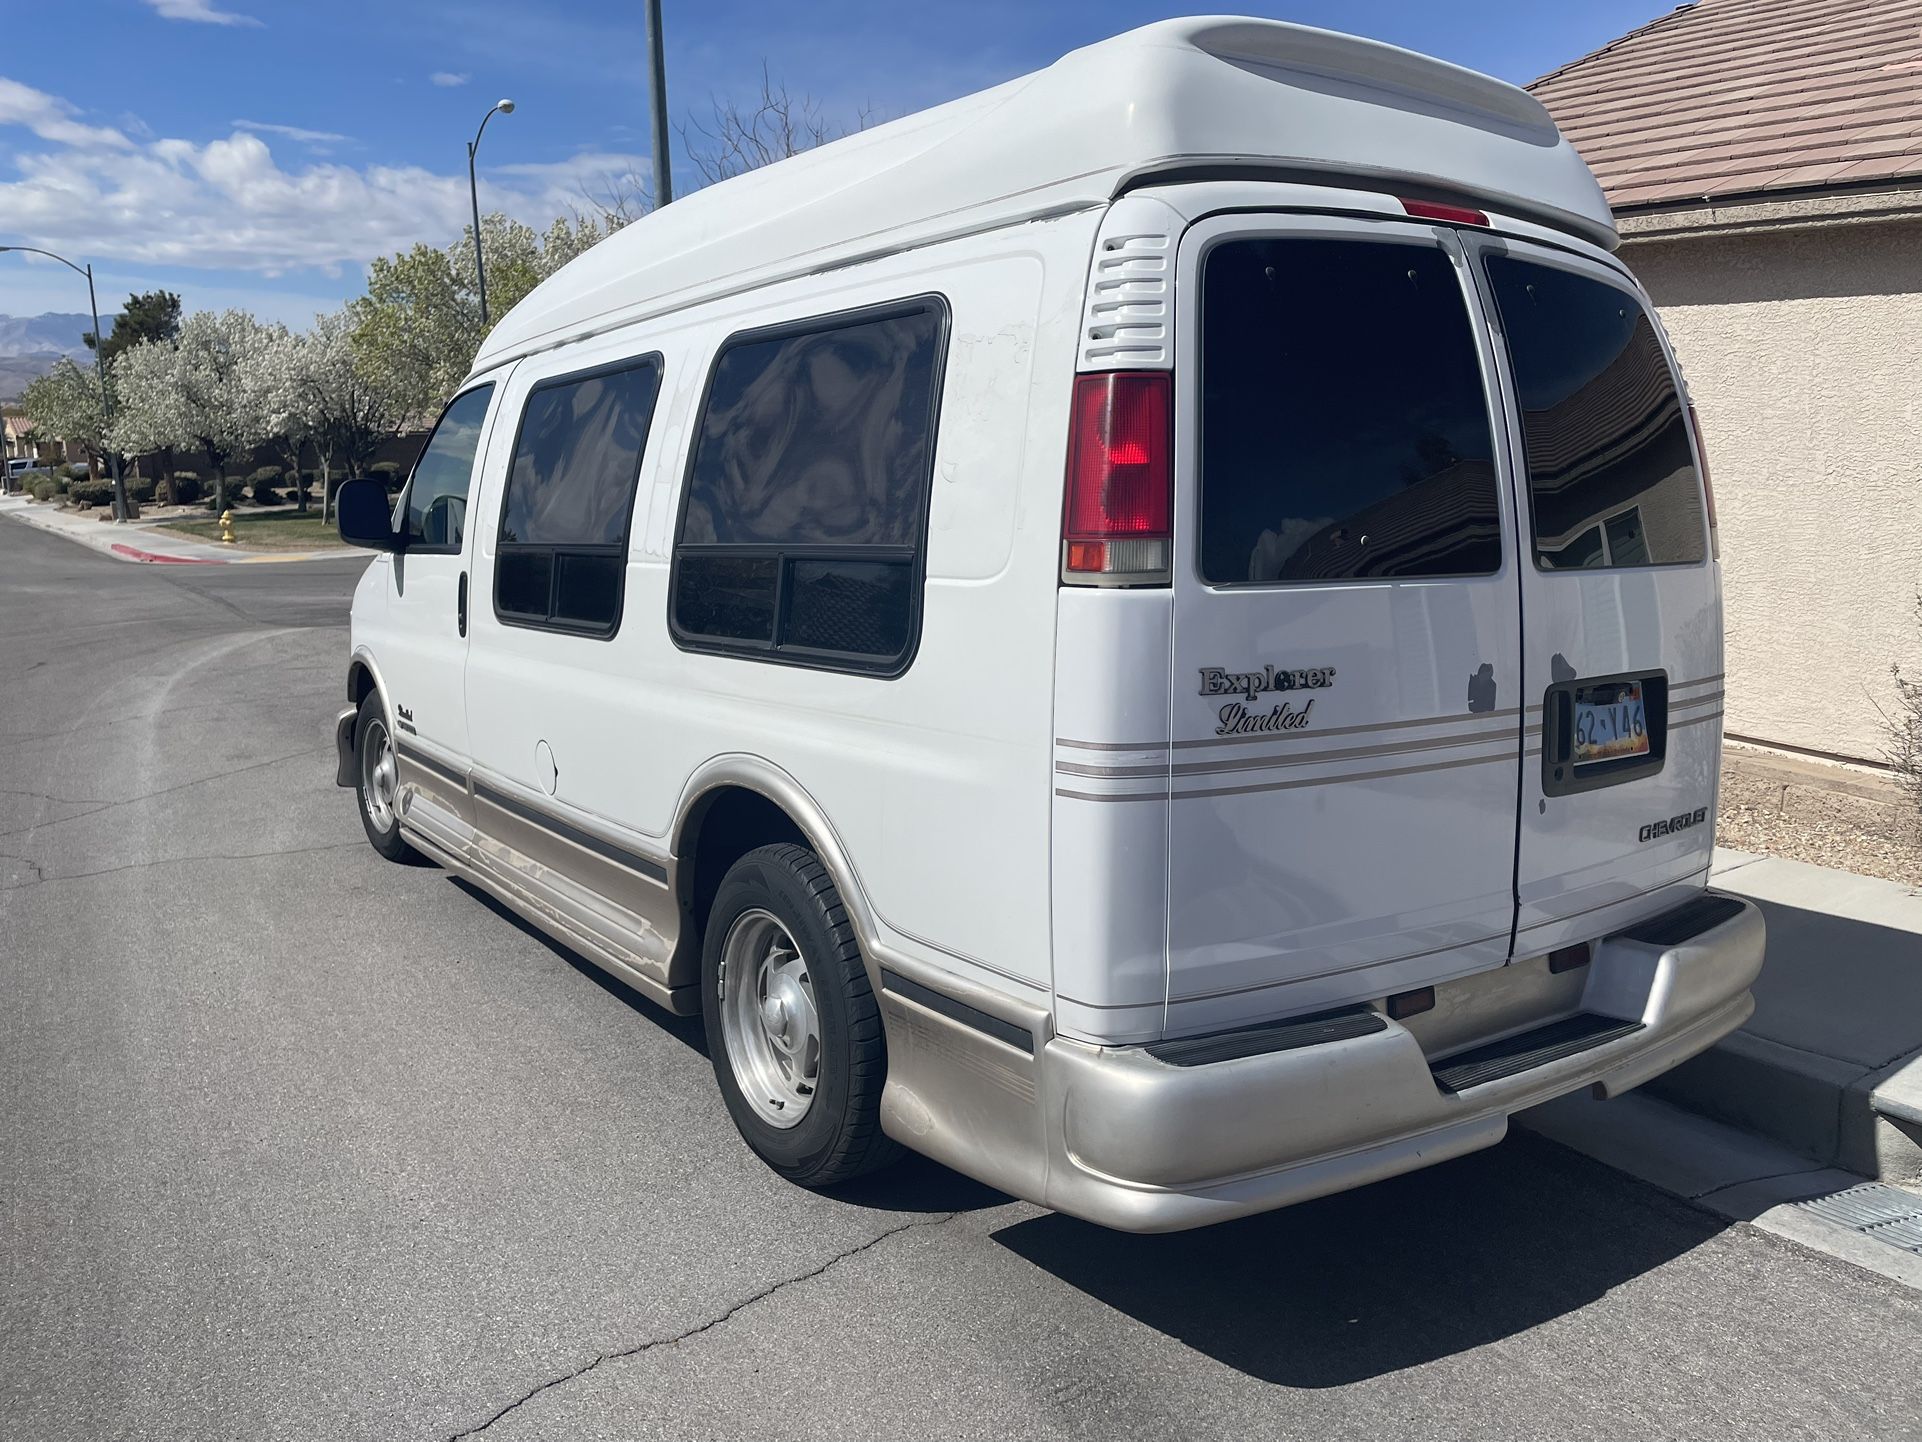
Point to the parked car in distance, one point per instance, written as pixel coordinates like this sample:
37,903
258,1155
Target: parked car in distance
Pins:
1152,634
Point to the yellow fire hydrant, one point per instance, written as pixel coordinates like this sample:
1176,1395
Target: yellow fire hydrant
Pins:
227,536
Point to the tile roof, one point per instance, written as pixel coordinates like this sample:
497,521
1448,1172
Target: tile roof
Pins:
1722,98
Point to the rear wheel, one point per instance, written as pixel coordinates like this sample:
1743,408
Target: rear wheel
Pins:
377,781
792,1024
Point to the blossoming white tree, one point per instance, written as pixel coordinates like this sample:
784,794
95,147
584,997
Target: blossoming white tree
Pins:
223,406
147,415
66,403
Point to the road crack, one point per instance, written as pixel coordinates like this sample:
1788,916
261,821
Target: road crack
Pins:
40,878
716,1321
99,806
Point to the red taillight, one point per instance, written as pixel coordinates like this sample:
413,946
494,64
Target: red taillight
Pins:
1118,521
1708,486
1447,214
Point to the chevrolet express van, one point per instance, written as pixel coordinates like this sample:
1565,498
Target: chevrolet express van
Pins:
1152,634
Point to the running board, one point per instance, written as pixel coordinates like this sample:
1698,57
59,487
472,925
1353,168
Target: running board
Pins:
1516,1054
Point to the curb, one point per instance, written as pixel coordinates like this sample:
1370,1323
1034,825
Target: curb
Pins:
1728,1173
134,553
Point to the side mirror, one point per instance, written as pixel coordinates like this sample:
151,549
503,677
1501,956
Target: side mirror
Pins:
366,515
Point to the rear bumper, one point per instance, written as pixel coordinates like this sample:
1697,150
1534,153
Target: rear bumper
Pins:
1146,1146
1127,1138
344,746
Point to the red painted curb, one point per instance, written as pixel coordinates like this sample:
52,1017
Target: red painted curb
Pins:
133,553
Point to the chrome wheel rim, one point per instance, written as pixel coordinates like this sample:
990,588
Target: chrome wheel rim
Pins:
379,776
769,1020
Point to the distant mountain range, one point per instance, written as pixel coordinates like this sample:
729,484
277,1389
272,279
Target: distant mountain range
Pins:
29,345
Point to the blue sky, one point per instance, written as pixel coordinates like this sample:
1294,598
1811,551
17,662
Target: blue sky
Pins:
259,152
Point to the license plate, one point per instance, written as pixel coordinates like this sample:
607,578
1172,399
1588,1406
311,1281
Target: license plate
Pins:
1610,723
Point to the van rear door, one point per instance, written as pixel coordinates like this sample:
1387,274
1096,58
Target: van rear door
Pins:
1621,600
1346,703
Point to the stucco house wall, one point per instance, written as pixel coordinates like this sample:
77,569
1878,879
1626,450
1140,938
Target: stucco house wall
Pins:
1803,352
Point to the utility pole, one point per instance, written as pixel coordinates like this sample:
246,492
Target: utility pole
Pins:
657,96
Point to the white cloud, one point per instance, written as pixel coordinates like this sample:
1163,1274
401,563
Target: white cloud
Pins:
292,132
447,79
229,205
200,11
51,118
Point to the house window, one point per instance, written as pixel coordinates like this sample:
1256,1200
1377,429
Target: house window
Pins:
570,498
803,523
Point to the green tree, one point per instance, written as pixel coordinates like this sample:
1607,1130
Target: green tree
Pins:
152,315
418,327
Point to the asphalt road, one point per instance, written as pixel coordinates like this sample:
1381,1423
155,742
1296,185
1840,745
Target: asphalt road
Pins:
295,1143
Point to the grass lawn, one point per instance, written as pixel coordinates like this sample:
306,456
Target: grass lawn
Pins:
265,530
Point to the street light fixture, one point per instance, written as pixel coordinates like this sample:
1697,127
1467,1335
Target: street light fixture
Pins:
505,107
100,365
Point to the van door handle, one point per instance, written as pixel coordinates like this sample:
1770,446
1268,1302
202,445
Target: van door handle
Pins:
462,604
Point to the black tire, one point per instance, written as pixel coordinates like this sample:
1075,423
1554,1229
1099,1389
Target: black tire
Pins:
840,1136
385,838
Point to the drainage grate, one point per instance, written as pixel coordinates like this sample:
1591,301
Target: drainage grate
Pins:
1888,1214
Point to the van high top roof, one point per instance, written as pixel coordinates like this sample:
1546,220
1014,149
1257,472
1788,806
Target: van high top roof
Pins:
1218,95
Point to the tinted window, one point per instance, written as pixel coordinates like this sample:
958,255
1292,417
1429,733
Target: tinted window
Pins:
570,495
437,491
1611,480
1344,426
808,490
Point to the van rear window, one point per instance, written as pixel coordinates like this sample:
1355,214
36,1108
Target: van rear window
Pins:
1610,476
1344,424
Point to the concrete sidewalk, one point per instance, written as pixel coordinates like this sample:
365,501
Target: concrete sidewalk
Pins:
1831,1063
141,540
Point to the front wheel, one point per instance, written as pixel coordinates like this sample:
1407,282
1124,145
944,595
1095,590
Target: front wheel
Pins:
377,781
792,1023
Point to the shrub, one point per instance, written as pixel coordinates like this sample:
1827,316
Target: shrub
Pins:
41,486
388,474
183,488
79,472
90,492
1905,738
141,490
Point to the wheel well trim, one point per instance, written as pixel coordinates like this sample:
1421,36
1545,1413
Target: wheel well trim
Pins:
363,657
747,772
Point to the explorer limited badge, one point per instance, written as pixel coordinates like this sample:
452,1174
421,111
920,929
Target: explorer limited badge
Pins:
1235,717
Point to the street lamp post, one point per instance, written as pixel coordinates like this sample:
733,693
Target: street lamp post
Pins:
657,104
100,365
505,107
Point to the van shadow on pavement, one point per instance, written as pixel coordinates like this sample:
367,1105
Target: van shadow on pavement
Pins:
1392,1276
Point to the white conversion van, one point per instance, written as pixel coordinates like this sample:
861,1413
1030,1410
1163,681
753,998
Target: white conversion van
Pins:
1153,633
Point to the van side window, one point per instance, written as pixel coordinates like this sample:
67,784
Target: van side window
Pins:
570,497
1611,479
436,516
802,527
1345,432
